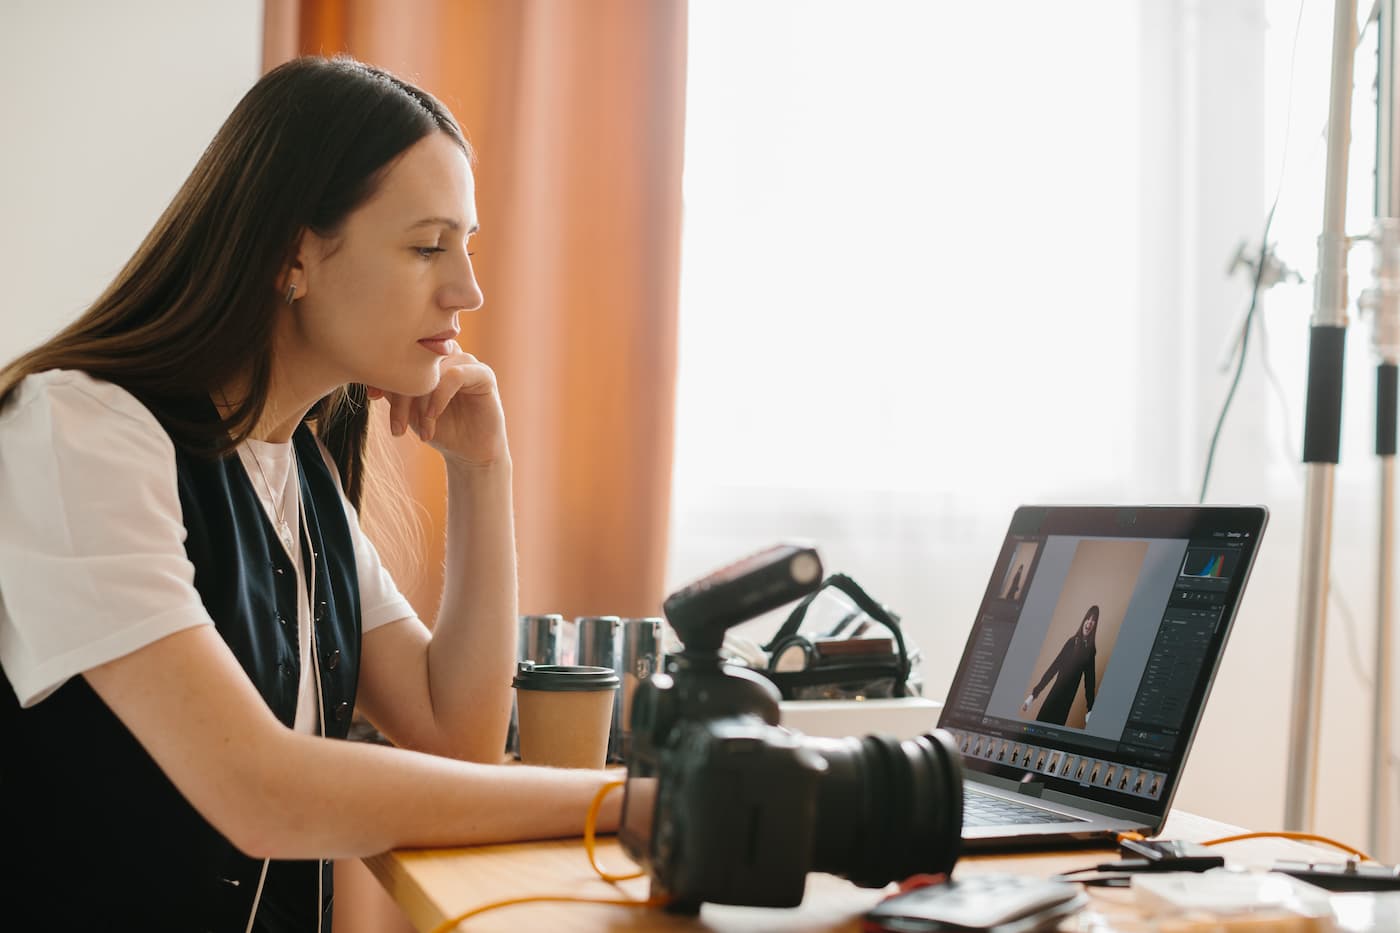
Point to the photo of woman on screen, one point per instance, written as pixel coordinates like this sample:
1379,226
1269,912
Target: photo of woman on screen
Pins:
1075,662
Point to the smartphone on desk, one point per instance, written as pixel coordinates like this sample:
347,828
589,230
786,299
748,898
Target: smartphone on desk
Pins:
997,903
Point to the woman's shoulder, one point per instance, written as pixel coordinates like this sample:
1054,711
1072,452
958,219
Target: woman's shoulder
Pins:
74,398
87,419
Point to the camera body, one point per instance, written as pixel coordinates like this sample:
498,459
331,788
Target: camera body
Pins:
724,806
709,766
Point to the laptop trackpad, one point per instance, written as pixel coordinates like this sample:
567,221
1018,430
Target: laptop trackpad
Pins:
981,809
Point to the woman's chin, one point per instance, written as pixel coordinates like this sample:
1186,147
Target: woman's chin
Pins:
411,385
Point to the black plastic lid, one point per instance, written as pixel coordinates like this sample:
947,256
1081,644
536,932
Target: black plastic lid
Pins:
564,678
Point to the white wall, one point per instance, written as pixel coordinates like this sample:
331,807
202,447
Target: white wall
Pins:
106,108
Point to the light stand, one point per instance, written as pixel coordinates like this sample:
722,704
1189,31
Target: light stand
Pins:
1383,303
1322,433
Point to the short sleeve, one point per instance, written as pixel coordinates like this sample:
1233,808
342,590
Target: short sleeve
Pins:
92,557
380,599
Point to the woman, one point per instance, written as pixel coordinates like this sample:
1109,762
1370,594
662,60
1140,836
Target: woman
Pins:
1013,591
1075,662
188,609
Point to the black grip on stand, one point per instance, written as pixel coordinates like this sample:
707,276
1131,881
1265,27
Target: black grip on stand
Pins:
1385,409
1322,426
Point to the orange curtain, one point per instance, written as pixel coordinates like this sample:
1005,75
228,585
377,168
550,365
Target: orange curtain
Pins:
576,114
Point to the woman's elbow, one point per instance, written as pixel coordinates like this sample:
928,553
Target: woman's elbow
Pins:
250,829
257,842
255,809
475,749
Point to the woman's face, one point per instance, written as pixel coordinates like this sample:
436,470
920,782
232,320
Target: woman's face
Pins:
1090,623
378,302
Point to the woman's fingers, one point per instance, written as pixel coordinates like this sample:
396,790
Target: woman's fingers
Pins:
422,422
461,372
466,376
399,407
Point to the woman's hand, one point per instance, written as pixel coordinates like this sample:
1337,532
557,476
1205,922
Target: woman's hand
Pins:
1026,706
462,418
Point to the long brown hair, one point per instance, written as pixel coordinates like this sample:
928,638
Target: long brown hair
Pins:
194,308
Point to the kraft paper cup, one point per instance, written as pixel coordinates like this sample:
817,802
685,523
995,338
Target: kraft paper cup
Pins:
565,714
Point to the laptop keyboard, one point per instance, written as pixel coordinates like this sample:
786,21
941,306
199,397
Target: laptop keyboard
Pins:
981,809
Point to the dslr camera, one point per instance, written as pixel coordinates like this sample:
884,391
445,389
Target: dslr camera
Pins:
722,805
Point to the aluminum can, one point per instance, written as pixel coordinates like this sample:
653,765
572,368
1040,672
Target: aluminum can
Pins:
641,657
544,639
599,644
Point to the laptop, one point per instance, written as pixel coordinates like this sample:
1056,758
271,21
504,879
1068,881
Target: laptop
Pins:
1088,668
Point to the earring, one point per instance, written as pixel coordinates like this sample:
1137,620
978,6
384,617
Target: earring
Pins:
291,290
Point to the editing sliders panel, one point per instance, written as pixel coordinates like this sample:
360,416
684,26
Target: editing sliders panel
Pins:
1192,619
1087,770
1164,694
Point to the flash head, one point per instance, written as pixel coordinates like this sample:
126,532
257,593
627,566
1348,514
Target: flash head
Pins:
704,610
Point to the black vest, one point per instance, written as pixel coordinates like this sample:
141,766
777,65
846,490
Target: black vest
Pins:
94,835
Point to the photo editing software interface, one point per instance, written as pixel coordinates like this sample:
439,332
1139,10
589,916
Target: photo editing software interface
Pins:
1086,655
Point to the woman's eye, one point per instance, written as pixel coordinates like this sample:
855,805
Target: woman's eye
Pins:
427,251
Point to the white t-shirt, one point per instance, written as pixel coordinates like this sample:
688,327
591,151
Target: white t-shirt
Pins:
92,554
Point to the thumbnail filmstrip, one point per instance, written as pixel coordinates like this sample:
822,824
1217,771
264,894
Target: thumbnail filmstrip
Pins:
1087,771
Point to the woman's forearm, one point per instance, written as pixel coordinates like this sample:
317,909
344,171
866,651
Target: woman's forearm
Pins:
275,792
472,653
318,798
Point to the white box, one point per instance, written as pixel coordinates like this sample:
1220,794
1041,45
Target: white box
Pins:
901,717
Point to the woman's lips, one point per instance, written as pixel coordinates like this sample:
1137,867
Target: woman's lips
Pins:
441,344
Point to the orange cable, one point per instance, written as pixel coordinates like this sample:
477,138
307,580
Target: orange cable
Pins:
589,825
450,923
1300,837
588,841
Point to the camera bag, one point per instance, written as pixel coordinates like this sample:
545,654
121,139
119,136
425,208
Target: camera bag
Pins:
843,675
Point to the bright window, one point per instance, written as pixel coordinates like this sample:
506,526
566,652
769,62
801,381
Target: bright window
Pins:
907,226
943,259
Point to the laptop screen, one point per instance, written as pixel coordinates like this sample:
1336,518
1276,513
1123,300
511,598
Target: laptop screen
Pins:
1096,644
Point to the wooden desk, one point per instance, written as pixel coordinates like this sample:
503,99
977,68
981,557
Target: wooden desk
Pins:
434,884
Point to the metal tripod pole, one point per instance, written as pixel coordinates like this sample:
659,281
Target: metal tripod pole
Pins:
1321,434
1382,300
1379,842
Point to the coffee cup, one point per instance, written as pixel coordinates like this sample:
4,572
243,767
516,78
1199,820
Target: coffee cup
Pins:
565,713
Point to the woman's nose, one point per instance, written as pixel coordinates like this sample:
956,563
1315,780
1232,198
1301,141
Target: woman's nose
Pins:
463,292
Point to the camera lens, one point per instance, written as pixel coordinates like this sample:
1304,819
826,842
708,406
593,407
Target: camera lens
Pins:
888,809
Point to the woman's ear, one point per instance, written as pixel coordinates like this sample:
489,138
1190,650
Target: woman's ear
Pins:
293,282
